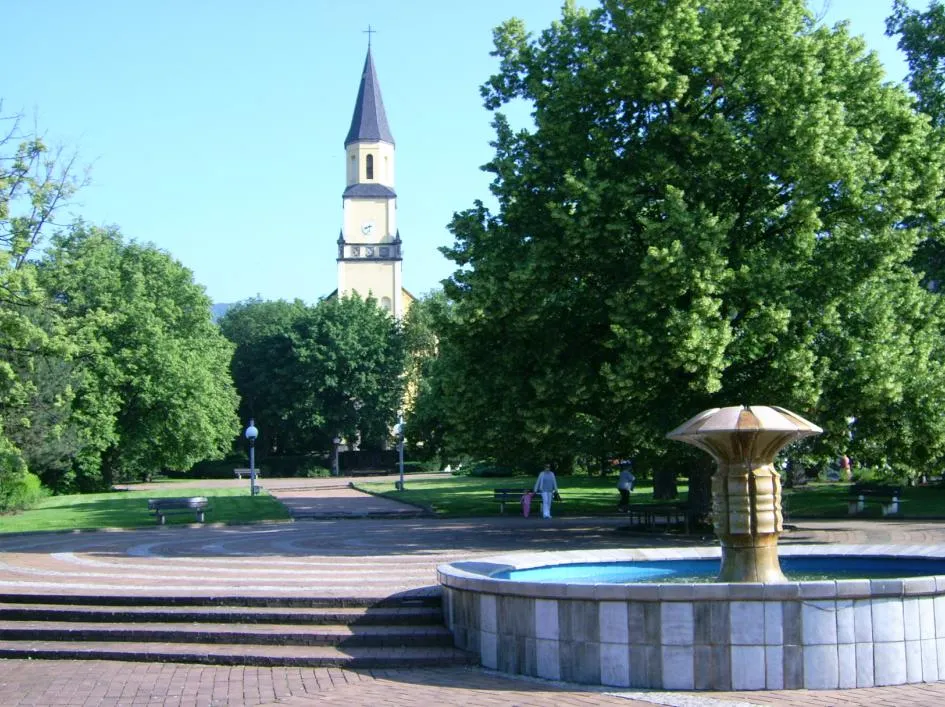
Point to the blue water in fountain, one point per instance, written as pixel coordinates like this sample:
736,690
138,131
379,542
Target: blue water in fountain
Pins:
795,568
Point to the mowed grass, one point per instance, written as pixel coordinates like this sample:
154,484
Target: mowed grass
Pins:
464,496
830,500
129,509
455,497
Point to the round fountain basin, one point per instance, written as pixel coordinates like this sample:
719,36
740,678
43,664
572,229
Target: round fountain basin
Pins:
796,568
522,615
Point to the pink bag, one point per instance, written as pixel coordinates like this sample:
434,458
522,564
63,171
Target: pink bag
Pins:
527,503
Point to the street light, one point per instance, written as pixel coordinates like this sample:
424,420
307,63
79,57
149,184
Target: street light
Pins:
336,441
400,450
251,434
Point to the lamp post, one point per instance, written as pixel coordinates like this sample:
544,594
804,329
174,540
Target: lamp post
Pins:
335,471
251,434
400,449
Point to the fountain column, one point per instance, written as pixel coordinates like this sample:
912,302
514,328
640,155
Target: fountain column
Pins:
746,488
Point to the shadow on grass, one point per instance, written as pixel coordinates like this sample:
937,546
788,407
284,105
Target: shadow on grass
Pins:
831,500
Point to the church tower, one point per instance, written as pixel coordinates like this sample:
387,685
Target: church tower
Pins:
369,254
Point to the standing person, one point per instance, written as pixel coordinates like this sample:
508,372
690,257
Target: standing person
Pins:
527,503
625,485
547,485
845,467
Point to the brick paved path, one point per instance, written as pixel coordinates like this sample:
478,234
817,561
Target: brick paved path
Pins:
108,683
356,557
112,683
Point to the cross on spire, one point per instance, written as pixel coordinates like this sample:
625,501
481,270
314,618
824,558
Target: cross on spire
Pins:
369,32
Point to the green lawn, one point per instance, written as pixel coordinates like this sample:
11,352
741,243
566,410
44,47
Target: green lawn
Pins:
826,500
129,509
456,497
464,496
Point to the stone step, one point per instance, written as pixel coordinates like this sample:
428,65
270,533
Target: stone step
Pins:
400,631
236,654
216,614
229,633
412,599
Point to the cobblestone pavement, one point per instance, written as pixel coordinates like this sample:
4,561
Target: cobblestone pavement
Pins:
30,683
350,557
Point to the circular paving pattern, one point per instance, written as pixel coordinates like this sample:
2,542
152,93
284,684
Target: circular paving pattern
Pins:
333,558
337,558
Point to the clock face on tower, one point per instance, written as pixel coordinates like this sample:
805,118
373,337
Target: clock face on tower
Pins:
367,228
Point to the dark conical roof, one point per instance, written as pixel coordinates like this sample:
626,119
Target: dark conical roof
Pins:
369,121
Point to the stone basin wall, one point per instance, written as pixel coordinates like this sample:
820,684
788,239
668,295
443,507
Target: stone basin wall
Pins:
814,635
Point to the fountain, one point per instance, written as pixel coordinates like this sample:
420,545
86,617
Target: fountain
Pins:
750,629
746,490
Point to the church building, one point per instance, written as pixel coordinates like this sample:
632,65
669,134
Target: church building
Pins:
369,246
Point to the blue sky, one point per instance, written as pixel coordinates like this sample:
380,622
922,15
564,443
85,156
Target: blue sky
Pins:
215,128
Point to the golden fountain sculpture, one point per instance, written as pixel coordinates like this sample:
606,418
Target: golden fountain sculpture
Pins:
746,489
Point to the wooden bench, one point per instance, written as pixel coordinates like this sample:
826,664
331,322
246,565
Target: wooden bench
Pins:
503,496
161,507
646,514
239,473
884,494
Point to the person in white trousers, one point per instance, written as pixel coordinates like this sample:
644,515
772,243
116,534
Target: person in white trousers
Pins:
547,485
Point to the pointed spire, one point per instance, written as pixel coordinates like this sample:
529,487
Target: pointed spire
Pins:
369,121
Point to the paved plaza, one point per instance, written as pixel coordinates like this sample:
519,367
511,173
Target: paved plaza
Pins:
339,552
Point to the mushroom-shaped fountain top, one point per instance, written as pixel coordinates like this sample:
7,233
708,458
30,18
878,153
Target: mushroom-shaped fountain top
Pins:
746,490
743,432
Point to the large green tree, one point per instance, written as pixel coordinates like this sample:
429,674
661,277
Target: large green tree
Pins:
260,331
426,431
309,373
717,203
922,40
154,389
35,182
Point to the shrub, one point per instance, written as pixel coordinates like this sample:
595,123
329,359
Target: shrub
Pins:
489,469
315,472
215,469
418,467
19,488
865,474
298,465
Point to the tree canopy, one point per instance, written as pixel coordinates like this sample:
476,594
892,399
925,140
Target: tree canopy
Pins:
35,182
922,40
310,373
153,389
426,436
717,203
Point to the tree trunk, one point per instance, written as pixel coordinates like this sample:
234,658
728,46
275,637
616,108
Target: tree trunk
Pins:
700,487
109,466
664,484
798,474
